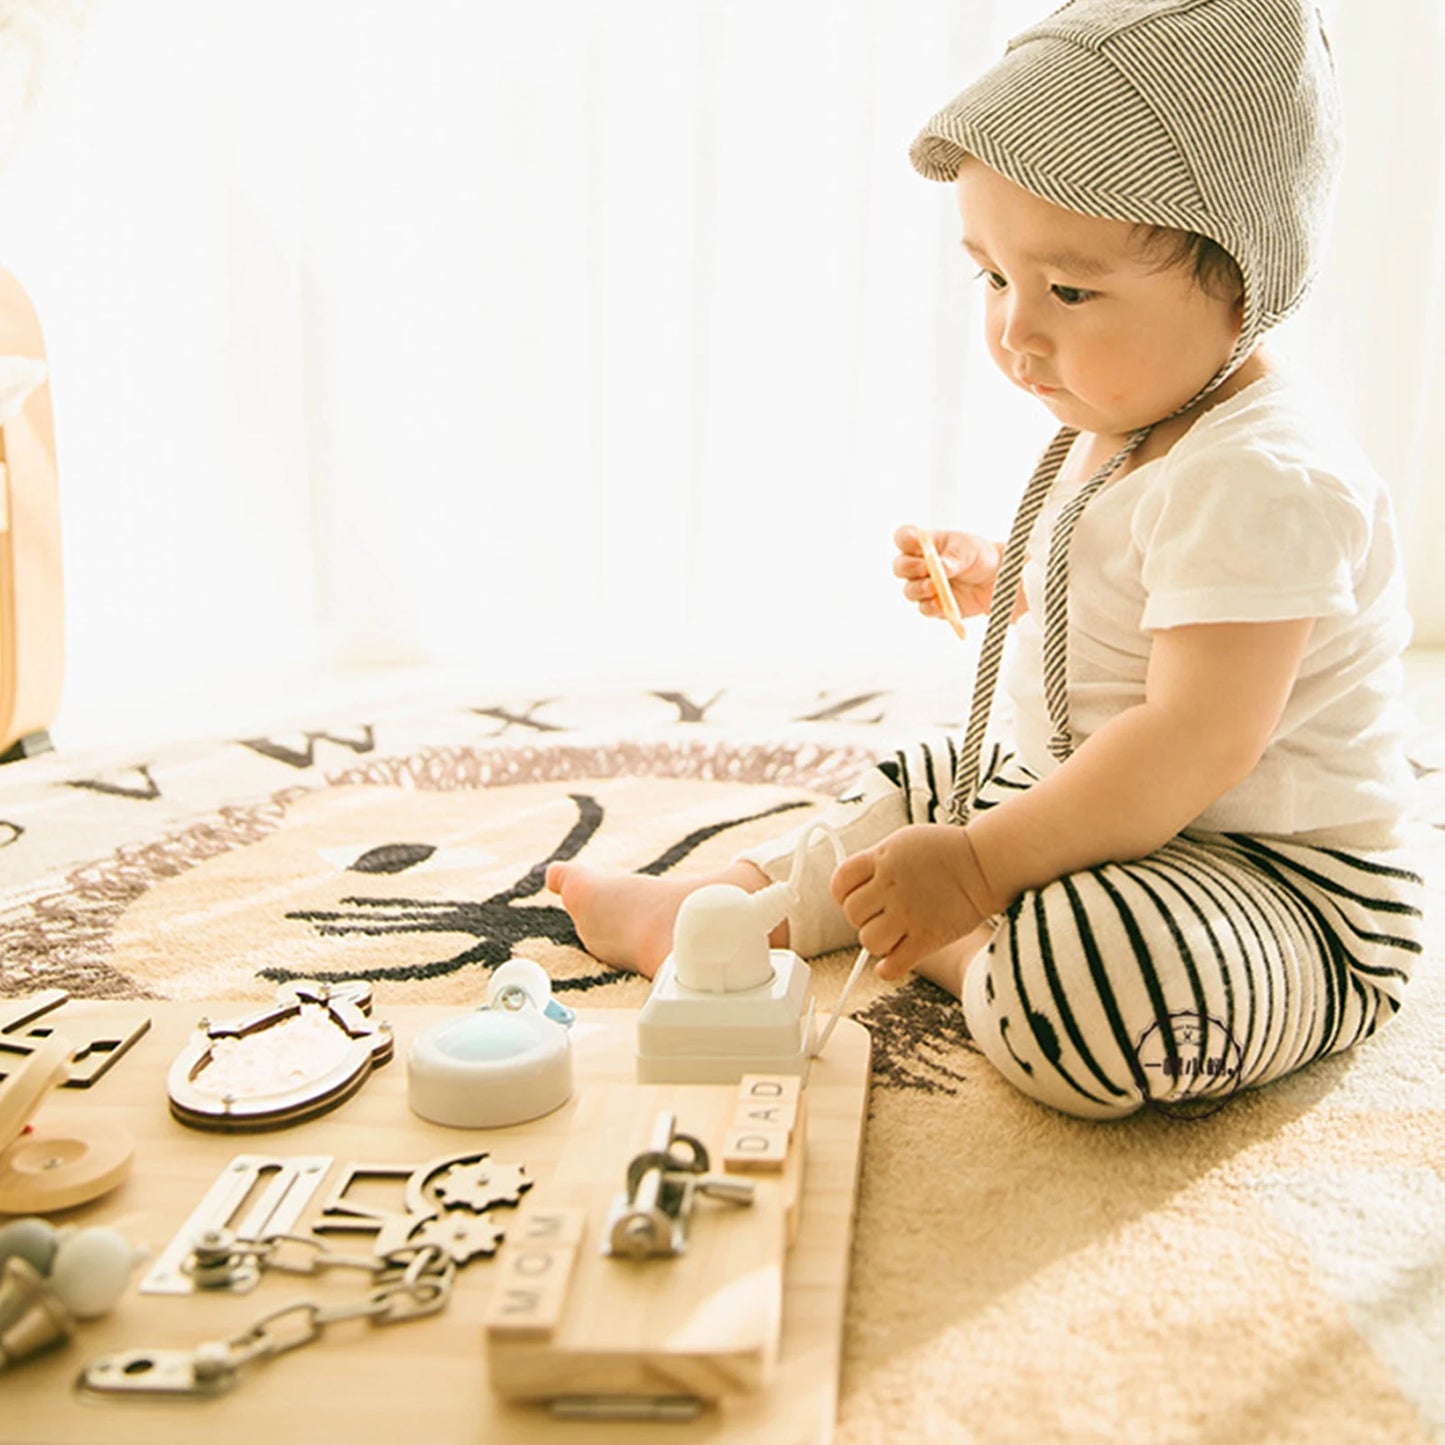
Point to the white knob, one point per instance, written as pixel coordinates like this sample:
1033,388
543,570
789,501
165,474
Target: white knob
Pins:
718,945
91,1269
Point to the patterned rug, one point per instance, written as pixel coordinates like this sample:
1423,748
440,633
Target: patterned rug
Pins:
1270,1272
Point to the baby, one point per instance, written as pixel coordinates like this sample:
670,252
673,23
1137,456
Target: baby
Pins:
1185,873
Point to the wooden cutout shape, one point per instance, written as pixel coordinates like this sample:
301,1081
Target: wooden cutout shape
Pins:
447,1202
471,1180
340,1214
45,1170
96,1040
239,1096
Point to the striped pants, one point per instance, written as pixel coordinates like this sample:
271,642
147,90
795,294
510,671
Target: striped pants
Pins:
1222,961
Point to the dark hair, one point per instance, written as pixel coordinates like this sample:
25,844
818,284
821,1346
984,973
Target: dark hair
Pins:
1216,271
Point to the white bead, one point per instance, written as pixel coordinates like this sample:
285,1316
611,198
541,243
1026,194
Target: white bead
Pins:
34,1240
91,1269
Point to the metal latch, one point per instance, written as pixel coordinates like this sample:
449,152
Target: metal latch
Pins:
652,1216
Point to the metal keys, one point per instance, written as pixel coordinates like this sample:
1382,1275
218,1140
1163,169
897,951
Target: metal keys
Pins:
652,1216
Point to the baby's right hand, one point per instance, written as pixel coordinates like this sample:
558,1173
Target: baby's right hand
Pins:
971,564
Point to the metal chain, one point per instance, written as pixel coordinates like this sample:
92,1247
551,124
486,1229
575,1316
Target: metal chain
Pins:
408,1284
407,1290
218,1256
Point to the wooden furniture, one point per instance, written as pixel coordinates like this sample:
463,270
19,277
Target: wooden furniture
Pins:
427,1380
32,650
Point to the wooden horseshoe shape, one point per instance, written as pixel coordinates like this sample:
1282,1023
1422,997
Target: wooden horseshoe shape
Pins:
312,1050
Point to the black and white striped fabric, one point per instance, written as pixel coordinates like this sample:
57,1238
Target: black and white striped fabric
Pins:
1222,961
1219,962
990,657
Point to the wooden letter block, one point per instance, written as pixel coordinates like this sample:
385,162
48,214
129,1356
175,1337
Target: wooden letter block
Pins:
767,1102
767,1135
550,1228
535,1269
749,1147
779,1117
784,1088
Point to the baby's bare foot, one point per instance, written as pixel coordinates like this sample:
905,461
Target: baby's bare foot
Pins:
947,967
623,919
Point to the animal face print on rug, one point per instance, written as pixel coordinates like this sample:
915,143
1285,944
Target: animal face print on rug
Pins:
423,893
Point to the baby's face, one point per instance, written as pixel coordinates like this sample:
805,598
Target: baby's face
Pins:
1077,313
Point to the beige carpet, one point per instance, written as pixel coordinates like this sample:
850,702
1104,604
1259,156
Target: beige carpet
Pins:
1274,1272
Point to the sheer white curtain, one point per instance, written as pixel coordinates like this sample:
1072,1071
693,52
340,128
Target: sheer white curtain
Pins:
574,337
1378,324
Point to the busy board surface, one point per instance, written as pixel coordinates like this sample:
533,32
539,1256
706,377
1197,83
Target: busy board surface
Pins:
750,1314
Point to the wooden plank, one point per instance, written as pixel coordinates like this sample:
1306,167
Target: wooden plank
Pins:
429,1379
704,1323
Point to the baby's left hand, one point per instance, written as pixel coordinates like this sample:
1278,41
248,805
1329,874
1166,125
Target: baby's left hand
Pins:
906,896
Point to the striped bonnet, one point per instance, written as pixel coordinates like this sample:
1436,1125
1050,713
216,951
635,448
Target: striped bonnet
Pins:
1214,116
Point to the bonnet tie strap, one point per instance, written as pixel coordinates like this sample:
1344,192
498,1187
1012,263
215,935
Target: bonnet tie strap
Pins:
1000,615
1056,612
1056,598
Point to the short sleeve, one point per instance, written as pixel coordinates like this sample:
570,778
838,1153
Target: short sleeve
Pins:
1236,534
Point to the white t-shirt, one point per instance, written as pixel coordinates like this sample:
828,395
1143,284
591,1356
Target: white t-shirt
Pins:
1264,510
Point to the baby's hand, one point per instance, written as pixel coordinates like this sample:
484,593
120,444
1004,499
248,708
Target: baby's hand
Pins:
909,896
970,565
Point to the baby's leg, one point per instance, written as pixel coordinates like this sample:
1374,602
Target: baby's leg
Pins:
866,814
949,966
626,919
1215,964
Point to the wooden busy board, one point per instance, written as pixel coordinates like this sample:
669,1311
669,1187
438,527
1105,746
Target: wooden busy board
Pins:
432,1379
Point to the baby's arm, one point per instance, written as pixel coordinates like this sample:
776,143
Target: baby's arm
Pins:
1213,698
1214,695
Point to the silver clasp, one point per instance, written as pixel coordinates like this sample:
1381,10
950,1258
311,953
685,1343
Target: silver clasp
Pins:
652,1216
421,1285
206,1370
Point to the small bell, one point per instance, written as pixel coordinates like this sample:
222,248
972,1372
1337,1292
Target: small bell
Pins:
31,1317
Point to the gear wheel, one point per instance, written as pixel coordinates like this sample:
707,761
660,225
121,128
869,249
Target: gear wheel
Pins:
462,1234
481,1185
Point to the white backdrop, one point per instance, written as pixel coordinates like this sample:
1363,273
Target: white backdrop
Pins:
580,336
